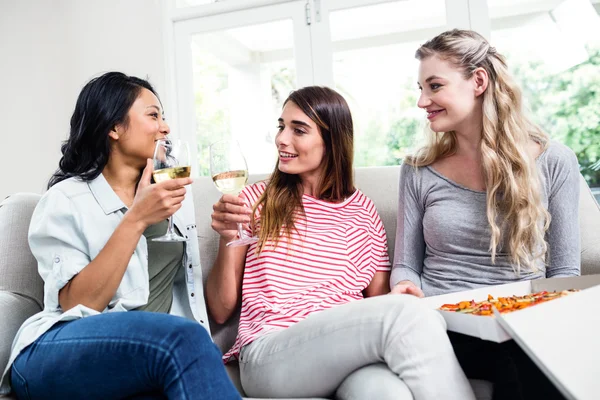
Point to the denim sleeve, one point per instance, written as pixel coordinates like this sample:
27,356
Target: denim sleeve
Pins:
57,243
410,245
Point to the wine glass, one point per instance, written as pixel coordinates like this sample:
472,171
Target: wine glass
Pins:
171,161
229,173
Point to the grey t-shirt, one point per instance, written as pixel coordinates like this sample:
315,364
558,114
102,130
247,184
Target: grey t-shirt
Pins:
443,236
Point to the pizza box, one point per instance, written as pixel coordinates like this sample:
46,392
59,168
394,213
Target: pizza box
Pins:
490,328
560,336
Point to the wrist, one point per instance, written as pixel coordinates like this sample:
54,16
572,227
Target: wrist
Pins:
223,243
132,221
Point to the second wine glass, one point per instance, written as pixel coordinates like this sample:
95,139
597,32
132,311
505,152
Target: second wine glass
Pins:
229,173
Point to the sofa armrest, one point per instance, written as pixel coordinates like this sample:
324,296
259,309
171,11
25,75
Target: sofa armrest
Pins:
14,310
589,217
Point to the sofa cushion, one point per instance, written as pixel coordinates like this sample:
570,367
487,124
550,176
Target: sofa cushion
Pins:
16,309
205,195
381,185
18,267
589,217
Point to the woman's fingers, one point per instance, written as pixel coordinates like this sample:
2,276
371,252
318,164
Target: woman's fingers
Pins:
231,208
407,288
228,217
177,193
177,199
415,291
229,198
227,213
222,226
173,184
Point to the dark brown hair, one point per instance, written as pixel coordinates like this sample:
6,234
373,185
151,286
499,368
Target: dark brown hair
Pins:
103,103
282,197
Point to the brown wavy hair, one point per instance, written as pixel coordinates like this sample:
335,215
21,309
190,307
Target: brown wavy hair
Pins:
511,176
281,201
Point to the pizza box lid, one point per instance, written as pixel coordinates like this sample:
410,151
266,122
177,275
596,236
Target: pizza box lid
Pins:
489,328
561,337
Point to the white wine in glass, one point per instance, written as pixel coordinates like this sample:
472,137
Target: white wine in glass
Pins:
171,173
231,182
171,161
229,173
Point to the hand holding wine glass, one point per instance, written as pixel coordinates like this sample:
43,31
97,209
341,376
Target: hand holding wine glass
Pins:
155,203
229,172
171,161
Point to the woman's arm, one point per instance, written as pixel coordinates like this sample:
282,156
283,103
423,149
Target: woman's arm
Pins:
563,205
93,283
379,258
410,245
97,283
380,284
224,285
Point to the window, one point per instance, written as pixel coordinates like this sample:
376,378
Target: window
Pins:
241,78
375,69
558,68
235,64
234,72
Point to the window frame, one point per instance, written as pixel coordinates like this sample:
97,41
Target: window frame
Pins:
312,42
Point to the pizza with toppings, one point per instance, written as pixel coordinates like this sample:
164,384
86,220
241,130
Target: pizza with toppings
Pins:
504,304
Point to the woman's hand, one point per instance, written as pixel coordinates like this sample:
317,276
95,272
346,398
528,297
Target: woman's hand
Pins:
407,287
227,213
155,203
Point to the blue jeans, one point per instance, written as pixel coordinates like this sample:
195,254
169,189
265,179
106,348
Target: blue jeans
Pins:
124,355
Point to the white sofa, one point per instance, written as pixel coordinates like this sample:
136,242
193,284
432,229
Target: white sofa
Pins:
21,288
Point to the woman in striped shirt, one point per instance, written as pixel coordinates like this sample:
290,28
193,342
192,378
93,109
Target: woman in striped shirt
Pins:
321,248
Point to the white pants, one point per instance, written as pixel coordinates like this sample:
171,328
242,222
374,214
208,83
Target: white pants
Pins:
375,381
313,357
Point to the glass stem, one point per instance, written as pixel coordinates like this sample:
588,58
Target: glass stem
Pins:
241,233
170,229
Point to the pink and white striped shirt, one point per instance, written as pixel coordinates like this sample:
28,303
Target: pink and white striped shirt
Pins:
328,262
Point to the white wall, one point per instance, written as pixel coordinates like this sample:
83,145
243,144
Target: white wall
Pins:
48,51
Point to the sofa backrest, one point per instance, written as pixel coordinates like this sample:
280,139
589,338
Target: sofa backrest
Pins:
589,221
18,268
381,185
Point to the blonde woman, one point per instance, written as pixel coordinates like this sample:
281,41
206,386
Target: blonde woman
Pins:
489,199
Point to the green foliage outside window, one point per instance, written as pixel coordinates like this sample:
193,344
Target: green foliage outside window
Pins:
566,105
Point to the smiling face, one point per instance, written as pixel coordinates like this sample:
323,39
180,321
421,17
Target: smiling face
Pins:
452,102
300,144
146,124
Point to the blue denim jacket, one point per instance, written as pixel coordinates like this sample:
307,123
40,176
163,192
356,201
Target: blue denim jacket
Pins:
69,227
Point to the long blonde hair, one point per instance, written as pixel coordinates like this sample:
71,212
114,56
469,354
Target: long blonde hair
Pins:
511,176
281,202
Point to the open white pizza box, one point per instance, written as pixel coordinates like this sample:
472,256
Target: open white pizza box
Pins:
561,336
